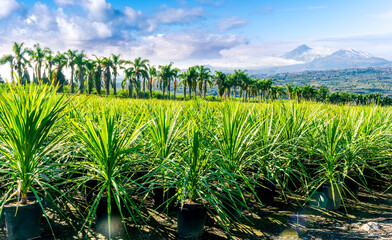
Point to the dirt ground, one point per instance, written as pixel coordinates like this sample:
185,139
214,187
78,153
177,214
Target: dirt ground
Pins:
368,218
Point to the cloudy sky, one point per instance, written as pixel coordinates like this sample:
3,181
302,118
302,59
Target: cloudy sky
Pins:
228,33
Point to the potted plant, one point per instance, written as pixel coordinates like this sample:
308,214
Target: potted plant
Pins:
197,177
28,115
107,140
280,132
233,143
337,146
163,133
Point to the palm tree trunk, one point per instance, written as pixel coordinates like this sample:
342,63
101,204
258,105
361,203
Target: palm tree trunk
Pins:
81,80
89,86
130,90
107,82
195,91
150,83
39,71
184,88
144,88
19,70
72,85
12,73
190,91
114,83
163,92
205,89
168,87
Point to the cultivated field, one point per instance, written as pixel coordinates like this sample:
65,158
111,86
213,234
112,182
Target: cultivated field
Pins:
141,161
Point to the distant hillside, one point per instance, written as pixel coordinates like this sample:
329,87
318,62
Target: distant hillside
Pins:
355,80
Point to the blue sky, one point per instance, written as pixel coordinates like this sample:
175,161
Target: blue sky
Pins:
228,33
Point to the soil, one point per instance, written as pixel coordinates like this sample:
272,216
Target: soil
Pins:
15,204
281,220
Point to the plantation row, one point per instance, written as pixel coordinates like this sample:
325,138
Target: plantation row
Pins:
200,156
144,80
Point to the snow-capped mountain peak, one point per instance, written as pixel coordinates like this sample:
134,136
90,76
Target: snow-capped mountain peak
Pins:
304,53
352,53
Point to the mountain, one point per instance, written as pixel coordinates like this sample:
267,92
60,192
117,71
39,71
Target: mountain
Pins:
304,53
316,59
343,59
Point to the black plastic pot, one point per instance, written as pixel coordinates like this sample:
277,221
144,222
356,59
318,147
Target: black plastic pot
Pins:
23,222
265,190
327,198
2,220
90,190
139,177
101,218
163,197
191,219
352,186
291,183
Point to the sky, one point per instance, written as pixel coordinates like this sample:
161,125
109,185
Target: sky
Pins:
221,33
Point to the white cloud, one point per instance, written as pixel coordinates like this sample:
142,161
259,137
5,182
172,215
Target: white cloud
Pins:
185,45
132,16
170,16
7,7
254,55
226,24
179,15
78,30
212,2
41,17
64,2
98,9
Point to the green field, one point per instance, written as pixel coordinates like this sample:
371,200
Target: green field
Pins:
224,156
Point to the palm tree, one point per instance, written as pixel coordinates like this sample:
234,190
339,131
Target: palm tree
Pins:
49,63
19,54
277,91
140,71
176,73
11,60
202,75
166,74
130,77
152,73
71,55
290,90
191,80
26,76
183,80
59,79
254,90
79,62
90,69
221,81
266,87
116,64
107,64
98,74
38,56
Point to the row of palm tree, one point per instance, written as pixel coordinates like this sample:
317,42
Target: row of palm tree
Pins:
140,76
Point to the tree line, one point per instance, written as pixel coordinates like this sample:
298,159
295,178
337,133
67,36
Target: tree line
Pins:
100,74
